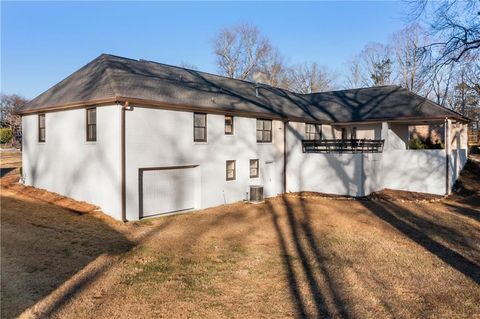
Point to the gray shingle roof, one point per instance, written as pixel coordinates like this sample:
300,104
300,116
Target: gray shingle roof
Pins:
108,77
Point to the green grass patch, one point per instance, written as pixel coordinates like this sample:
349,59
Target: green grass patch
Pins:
155,271
191,275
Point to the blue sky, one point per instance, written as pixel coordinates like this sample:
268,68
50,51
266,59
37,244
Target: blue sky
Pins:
43,42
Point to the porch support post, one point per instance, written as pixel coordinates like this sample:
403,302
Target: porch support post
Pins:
448,151
384,135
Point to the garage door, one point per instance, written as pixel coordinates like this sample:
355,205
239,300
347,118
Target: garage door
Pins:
166,190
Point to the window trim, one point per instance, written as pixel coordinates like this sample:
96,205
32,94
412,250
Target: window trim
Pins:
40,140
87,125
204,140
263,130
315,125
256,160
234,170
233,125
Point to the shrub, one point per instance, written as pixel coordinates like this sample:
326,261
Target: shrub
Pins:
6,135
416,144
428,144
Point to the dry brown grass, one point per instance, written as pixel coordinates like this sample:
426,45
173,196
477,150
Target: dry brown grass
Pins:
11,159
288,257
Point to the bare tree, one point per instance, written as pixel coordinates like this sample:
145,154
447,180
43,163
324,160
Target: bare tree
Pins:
354,76
9,105
240,51
310,78
371,67
456,27
409,61
465,97
272,70
440,84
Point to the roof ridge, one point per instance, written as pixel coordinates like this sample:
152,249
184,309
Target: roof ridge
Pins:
202,72
245,81
108,75
356,89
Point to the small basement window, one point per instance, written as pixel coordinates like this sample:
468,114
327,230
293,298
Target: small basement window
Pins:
254,171
41,128
199,127
264,131
313,132
231,170
228,125
92,124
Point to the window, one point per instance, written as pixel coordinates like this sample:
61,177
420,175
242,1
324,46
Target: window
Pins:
313,131
354,133
254,168
264,131
92,124
230,170
199,127
228,125
41,127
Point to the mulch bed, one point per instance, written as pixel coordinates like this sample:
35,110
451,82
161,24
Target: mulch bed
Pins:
404,196
385,194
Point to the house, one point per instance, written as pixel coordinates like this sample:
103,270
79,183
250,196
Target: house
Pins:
140,138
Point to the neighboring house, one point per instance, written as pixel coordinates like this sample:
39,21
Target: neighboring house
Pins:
140,138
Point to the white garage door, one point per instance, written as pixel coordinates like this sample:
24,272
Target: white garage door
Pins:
167,190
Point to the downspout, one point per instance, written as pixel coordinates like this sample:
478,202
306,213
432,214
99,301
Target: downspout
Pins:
123,162
447,156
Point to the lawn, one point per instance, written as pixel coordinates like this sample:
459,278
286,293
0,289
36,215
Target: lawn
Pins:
292,256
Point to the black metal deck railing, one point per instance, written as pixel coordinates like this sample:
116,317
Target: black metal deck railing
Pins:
342,146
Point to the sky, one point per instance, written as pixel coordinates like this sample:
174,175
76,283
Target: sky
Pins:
44,42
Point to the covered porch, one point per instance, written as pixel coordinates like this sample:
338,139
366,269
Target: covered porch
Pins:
360,158
377,137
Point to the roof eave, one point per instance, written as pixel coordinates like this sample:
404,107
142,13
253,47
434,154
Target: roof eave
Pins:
69,106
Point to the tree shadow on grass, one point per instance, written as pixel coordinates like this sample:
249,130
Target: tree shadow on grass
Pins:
43,246
468,206
423,231
321,298
310,259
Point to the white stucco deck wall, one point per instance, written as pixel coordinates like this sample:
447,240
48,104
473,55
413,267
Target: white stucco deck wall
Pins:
162,138
69,165
361,174
326,173
414,170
